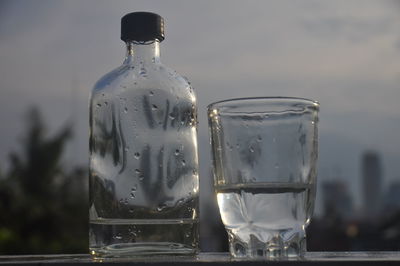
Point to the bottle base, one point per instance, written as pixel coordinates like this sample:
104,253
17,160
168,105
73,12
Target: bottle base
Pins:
127,250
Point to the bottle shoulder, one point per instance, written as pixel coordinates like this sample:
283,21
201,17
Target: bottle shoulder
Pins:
168,74
142,76
108,79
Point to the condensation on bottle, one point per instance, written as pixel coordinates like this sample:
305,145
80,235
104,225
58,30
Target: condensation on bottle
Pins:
143,179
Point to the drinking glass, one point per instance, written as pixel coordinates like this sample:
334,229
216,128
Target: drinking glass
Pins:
264,153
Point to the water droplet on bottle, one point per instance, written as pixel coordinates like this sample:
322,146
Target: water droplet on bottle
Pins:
141,177
125,109
161,207
131,210
194,172
143,72
154,107
181,201
137,155
153,59
302,139
276,165
171,116
135,109
133,195
174,246
251,149
137,171
132,232
176,152
183,162
237,146
186,79
98,105
187,235
259,138
134,188
151,93
118,236
106,103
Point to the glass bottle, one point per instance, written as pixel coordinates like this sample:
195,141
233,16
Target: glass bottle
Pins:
143,181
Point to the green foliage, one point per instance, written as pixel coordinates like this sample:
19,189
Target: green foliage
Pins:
43,206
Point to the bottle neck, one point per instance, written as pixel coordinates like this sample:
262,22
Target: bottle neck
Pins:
142,53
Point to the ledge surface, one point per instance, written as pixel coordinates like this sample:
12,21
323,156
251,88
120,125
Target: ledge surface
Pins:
311,258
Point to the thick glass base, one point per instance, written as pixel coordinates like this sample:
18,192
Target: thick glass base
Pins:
127,250
280,245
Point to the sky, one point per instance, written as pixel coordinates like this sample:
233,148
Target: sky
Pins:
345,54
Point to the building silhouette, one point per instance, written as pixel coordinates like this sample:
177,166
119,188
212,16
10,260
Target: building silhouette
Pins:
372,183
391,200
337,198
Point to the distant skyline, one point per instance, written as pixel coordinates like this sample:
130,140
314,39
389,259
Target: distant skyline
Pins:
345,54
375,199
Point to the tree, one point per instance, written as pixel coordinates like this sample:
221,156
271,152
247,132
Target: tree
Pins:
44,207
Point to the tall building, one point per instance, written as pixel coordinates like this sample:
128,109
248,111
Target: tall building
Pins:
391,198
337,198
372,182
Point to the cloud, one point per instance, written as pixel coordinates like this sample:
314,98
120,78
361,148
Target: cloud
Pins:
352,29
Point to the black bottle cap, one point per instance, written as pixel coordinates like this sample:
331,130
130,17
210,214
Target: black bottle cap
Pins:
142,26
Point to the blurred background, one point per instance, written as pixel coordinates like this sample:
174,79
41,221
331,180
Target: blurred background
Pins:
345,54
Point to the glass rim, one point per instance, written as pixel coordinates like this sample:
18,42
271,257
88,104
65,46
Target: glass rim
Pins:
269,98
